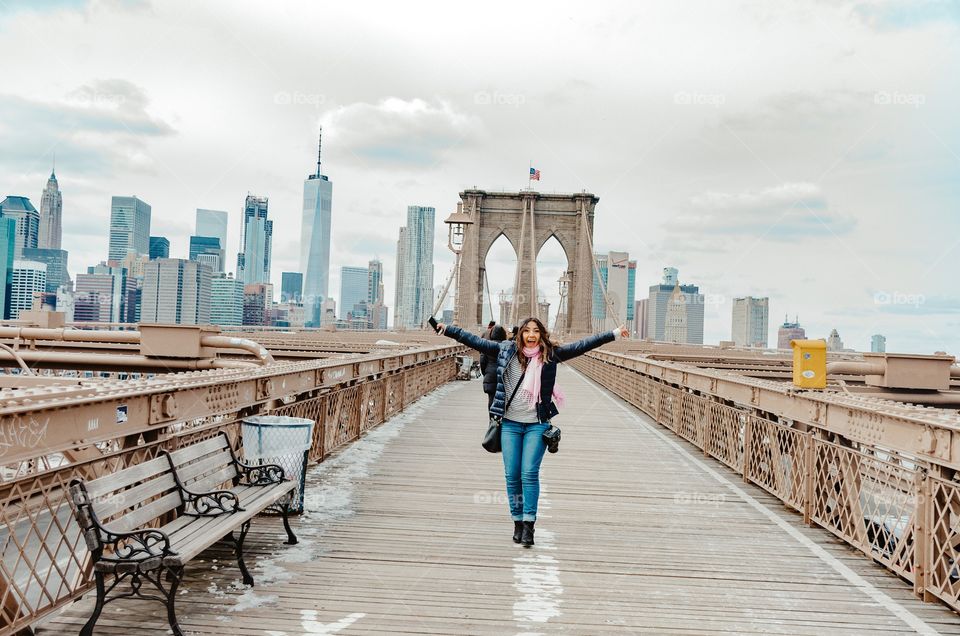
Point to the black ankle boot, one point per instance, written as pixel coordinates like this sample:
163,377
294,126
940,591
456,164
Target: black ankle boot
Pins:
527,536
517,531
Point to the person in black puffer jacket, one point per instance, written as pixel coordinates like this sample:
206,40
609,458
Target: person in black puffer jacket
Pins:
488,365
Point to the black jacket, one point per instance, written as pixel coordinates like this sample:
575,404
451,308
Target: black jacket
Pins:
505,350
489,371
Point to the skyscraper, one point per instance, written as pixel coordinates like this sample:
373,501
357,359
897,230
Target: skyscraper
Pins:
8,234
51,212
354,283
56,261
399,316
103,294
291,287
257,303
207,250
662,296
375,295
834,343
618,276
159,247
751,321
415,300
640,325
129,227
253,263
28,222
878,343
212,223
789,331
226,300
315,241
175,291
29,280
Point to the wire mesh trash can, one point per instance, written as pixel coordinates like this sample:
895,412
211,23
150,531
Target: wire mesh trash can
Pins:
282,440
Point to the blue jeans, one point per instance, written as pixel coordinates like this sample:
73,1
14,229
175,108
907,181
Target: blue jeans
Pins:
523,449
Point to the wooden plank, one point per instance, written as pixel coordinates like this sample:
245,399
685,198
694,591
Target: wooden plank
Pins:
194,451
123,478
633,537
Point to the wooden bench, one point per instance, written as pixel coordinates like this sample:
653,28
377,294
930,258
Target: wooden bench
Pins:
116,513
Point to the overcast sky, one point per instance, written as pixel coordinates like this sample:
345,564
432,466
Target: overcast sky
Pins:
805,151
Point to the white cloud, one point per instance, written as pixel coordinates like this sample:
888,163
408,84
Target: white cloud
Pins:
410,133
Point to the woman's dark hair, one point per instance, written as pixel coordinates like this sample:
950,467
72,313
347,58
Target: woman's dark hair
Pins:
498,333
546,345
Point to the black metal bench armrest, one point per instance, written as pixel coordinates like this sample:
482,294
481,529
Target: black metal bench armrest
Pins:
209,504
263,475
138,545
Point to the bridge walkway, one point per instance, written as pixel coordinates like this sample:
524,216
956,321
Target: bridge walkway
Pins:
406,531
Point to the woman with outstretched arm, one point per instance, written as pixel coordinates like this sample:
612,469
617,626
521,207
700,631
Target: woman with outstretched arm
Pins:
526,399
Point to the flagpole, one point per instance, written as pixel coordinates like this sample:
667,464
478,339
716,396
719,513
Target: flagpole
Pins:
530,176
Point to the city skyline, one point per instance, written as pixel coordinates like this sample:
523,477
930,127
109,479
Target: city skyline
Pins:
699,181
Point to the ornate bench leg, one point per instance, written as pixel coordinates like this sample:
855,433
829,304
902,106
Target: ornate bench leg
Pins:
101,597
247,579
285,510
175,575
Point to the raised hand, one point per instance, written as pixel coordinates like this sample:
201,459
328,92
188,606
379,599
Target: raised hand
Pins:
440,328
624,333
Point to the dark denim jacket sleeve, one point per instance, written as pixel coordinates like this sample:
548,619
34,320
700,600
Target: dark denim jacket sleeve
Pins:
580,347
489,347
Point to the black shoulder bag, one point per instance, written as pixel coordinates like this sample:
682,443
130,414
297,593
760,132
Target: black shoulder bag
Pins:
491,439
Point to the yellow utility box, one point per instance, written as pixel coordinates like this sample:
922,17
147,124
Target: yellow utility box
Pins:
809,363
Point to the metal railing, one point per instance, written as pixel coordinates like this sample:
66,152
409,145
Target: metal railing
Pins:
897,503
44,562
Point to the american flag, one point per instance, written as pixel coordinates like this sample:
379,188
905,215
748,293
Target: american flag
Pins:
534,174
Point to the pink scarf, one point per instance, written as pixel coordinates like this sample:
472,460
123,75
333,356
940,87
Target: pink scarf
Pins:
530,390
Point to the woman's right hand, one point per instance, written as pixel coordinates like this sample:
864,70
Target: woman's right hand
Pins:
441,328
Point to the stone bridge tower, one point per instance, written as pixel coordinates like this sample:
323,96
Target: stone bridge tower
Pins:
528,219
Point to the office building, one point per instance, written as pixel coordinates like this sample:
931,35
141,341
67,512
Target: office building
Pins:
29,281
256,239
878,343
104,294
226,300
789,331
291,287
257,304
375,295
687,321
8,237
212,223
129,227
175,292
315,242
28,222
398,276
51,216
617,275
354,283
640,324
415,269
159,247
58,274
834,343
750,321
207,250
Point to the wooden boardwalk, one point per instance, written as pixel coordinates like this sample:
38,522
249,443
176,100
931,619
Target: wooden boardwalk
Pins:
407,532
